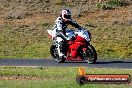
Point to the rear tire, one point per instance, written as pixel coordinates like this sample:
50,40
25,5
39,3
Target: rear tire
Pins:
90,55
54,54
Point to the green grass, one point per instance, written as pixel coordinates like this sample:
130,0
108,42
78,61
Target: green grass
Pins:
55,84
112,4
24,42
55,77
113,42
33,42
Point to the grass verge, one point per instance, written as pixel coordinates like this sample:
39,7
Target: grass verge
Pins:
55,77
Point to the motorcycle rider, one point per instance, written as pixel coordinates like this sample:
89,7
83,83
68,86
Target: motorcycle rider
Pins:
59,33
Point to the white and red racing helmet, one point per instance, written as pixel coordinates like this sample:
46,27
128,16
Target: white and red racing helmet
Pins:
66,14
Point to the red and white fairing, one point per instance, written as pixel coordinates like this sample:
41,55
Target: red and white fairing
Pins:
73,33
79,47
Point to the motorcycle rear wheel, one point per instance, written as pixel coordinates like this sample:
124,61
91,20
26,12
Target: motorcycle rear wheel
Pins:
54,54
90,55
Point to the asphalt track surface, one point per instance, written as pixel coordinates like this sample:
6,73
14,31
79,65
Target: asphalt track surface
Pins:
125,64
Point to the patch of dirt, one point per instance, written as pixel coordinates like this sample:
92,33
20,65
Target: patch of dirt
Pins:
26,77
29,20
101,16
13,77
120,14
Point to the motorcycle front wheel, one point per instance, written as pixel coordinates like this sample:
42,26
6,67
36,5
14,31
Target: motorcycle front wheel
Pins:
54,54
90,55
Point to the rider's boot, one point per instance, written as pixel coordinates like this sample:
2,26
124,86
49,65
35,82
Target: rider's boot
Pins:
60,50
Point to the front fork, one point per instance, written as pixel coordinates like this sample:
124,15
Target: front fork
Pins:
84,49
85,54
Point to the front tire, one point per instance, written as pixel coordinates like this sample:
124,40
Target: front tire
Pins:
54,54
90,55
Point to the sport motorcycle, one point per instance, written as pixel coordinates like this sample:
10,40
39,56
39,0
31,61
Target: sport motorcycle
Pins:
78,48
